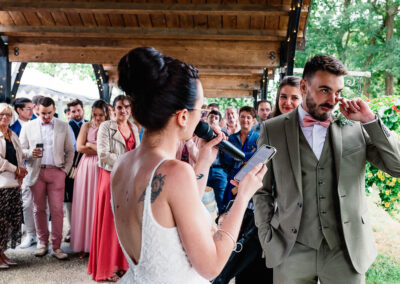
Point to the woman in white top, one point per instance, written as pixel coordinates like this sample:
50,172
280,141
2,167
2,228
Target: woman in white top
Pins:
161,223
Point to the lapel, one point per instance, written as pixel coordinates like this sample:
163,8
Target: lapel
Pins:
336,136
36,132
117,135
292,140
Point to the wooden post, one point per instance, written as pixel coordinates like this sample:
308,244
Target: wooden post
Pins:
5,72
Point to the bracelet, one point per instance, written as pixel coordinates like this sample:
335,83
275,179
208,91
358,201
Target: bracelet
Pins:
237,246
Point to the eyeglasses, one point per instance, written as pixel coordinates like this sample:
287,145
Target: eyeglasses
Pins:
28,108
123,107
5,114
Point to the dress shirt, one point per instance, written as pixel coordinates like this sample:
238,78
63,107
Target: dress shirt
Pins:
47,132
22,122
315,135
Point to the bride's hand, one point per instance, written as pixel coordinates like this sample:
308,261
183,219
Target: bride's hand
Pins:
207,150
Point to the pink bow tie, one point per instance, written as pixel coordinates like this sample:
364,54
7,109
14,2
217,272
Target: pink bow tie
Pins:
308,120
47,123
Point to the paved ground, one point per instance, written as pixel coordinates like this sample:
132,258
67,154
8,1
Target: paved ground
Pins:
50,270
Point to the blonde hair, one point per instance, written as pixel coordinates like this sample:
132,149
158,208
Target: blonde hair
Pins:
4,106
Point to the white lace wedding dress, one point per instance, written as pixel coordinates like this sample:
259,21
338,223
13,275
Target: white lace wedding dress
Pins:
162,257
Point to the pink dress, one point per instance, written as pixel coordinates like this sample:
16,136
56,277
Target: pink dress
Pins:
84,198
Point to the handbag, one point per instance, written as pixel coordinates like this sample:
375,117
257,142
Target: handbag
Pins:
72,171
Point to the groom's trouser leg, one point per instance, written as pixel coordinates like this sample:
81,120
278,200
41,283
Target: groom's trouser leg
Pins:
305,265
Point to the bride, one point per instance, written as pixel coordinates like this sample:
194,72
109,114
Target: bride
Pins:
164,230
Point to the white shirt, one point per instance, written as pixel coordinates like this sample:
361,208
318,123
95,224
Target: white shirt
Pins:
47,132
315,135
22,122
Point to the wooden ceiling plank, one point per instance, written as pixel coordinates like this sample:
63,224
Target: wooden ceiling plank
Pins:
212,93
141,7
229,22
118,32
172,21
130,20
46,18
60,18
88,20
102,20
200,21
18,18
258,22
32,19
144,20
74,19
116,20
214,22
186,21
5,19
243,22
200,53
283,22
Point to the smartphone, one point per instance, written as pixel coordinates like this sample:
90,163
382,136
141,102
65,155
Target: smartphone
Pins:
40,146
263,155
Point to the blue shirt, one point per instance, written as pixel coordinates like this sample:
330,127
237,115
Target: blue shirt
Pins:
249,147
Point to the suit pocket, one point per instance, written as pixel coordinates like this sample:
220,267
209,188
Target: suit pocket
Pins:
274,222
351,150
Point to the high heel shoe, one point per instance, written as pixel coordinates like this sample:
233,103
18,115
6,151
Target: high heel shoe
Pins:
4,266
10,262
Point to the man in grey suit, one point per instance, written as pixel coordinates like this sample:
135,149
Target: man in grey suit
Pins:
311,212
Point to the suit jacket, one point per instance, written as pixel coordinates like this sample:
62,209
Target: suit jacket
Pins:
111,143
16,127
63,149
278,204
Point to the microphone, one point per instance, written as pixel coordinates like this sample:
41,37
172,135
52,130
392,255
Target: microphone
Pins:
203,130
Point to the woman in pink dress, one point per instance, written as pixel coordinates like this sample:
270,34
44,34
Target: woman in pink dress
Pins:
85,185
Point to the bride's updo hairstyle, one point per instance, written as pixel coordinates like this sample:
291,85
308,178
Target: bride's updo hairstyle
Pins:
158,85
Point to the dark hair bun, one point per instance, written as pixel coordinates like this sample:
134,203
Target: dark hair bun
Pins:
158,85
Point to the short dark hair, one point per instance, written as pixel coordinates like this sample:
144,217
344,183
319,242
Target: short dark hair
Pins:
66,110
35,99
215,112
264,101
248,109
75,103
323,63
20,103
159,85
292,81
122,98
46,102
213,105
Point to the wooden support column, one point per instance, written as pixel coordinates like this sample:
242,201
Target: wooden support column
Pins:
102,82
5,72
288,47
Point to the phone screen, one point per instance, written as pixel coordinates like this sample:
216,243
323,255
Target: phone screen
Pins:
263,155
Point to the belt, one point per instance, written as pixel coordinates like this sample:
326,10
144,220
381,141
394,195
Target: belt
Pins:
48,167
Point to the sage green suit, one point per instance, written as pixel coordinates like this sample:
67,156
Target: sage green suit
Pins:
279,203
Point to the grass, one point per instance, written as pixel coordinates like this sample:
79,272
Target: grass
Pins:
385,269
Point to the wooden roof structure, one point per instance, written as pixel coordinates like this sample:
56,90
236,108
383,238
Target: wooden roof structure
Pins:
232,42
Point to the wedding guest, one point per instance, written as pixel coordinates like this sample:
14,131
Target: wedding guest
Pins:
75,123
67,114
24,107
288,96
264,108
12,171
49,151
86,177
159,216
114,138
232,121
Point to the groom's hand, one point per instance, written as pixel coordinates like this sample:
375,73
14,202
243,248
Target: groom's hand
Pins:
356,109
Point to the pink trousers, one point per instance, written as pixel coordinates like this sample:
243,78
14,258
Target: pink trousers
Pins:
50,184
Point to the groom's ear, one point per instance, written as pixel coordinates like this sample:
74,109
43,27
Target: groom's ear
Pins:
303,87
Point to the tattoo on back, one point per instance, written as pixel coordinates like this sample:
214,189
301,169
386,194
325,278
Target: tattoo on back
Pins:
156,187
200,176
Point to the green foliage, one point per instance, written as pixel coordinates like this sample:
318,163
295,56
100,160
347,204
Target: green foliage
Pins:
64,71
230,102
384,270
388,108
355,32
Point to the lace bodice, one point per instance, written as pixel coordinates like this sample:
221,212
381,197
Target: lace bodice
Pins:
162,257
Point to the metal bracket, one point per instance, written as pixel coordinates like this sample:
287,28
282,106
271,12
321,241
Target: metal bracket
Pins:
102,82
288,47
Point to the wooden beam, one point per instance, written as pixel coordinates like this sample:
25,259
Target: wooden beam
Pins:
233,82
214,54
145,8
213,93
132,32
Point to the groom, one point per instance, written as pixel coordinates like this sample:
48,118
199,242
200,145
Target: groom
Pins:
311,212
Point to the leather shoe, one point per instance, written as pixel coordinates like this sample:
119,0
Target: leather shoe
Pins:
41,250
59,254
28,241
4,266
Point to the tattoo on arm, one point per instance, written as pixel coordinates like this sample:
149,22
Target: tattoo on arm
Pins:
156,187
200,176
